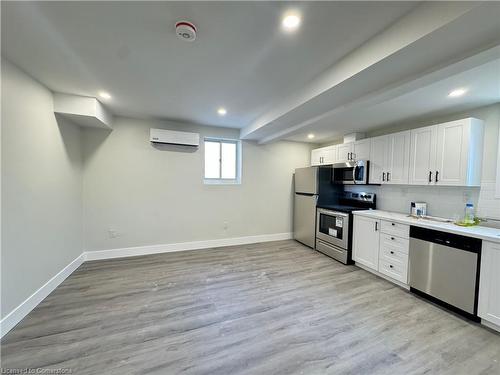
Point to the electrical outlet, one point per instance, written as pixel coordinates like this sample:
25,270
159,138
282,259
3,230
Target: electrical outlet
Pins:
112,233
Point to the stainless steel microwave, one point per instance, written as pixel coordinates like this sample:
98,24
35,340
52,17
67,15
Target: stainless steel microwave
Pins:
350,173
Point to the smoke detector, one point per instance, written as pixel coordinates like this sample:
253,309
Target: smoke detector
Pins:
185,30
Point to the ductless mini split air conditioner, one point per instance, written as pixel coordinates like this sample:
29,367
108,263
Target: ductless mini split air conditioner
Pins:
172,137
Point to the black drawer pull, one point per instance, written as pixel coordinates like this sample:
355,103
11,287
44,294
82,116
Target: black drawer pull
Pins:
392,238
393,224
390,265
392,252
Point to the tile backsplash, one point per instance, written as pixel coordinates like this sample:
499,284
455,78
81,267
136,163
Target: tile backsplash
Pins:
488,205
441,201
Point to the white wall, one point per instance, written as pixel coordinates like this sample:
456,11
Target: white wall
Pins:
41,189
155,194
448,201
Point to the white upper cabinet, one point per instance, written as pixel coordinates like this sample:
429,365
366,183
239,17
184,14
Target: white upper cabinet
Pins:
330,155
324,155
390,158
451,154
422,155
459,153
361,149
316,156
344,152
378,150
397,158
448,154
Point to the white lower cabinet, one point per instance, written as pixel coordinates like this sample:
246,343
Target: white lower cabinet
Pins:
382,246
393,255
489,284
366,236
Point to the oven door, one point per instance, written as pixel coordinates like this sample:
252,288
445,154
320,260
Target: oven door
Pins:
333,227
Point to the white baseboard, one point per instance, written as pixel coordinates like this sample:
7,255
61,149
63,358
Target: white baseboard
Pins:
490,325
16,315
183,246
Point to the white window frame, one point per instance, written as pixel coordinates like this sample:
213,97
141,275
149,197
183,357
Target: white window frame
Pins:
497,183
220,180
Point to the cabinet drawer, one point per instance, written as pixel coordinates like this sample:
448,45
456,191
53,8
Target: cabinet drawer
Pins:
395,243
396,270
396,229
392,254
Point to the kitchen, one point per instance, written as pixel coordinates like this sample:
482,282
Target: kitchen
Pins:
266,187
451,262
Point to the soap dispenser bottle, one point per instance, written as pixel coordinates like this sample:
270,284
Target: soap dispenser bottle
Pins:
469,214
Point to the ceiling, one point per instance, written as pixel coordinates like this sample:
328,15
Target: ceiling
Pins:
428,99
351,66
241,59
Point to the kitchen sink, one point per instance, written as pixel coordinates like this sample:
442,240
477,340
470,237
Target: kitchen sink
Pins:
432,218
490,223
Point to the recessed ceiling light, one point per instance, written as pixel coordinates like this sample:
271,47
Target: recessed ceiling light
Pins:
222,111
310,136
456,93
104,95
291,21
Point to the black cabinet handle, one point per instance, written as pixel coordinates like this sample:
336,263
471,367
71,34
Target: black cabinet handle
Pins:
392,238
388,176
376,226
430,176
383,176
393,224
390,265
392,252
437,174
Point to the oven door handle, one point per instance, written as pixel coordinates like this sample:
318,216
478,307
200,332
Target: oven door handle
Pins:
332,213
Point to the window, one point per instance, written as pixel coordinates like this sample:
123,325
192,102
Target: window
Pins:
222,161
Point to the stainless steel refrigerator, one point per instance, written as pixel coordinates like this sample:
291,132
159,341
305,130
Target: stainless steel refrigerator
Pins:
304,209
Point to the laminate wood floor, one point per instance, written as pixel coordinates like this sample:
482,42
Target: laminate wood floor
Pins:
270,308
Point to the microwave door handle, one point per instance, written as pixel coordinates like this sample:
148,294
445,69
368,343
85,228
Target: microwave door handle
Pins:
354,174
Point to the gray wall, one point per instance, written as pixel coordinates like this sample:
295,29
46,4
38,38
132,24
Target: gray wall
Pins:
448,201
41,189
155,195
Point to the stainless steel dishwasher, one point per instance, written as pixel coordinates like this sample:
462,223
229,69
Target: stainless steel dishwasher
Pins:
444,268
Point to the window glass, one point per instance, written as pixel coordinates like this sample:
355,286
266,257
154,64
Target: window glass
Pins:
228,160
212,159
222,161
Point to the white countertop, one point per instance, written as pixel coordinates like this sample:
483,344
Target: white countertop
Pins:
484,233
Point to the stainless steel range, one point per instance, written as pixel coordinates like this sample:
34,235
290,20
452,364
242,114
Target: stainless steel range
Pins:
334,224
